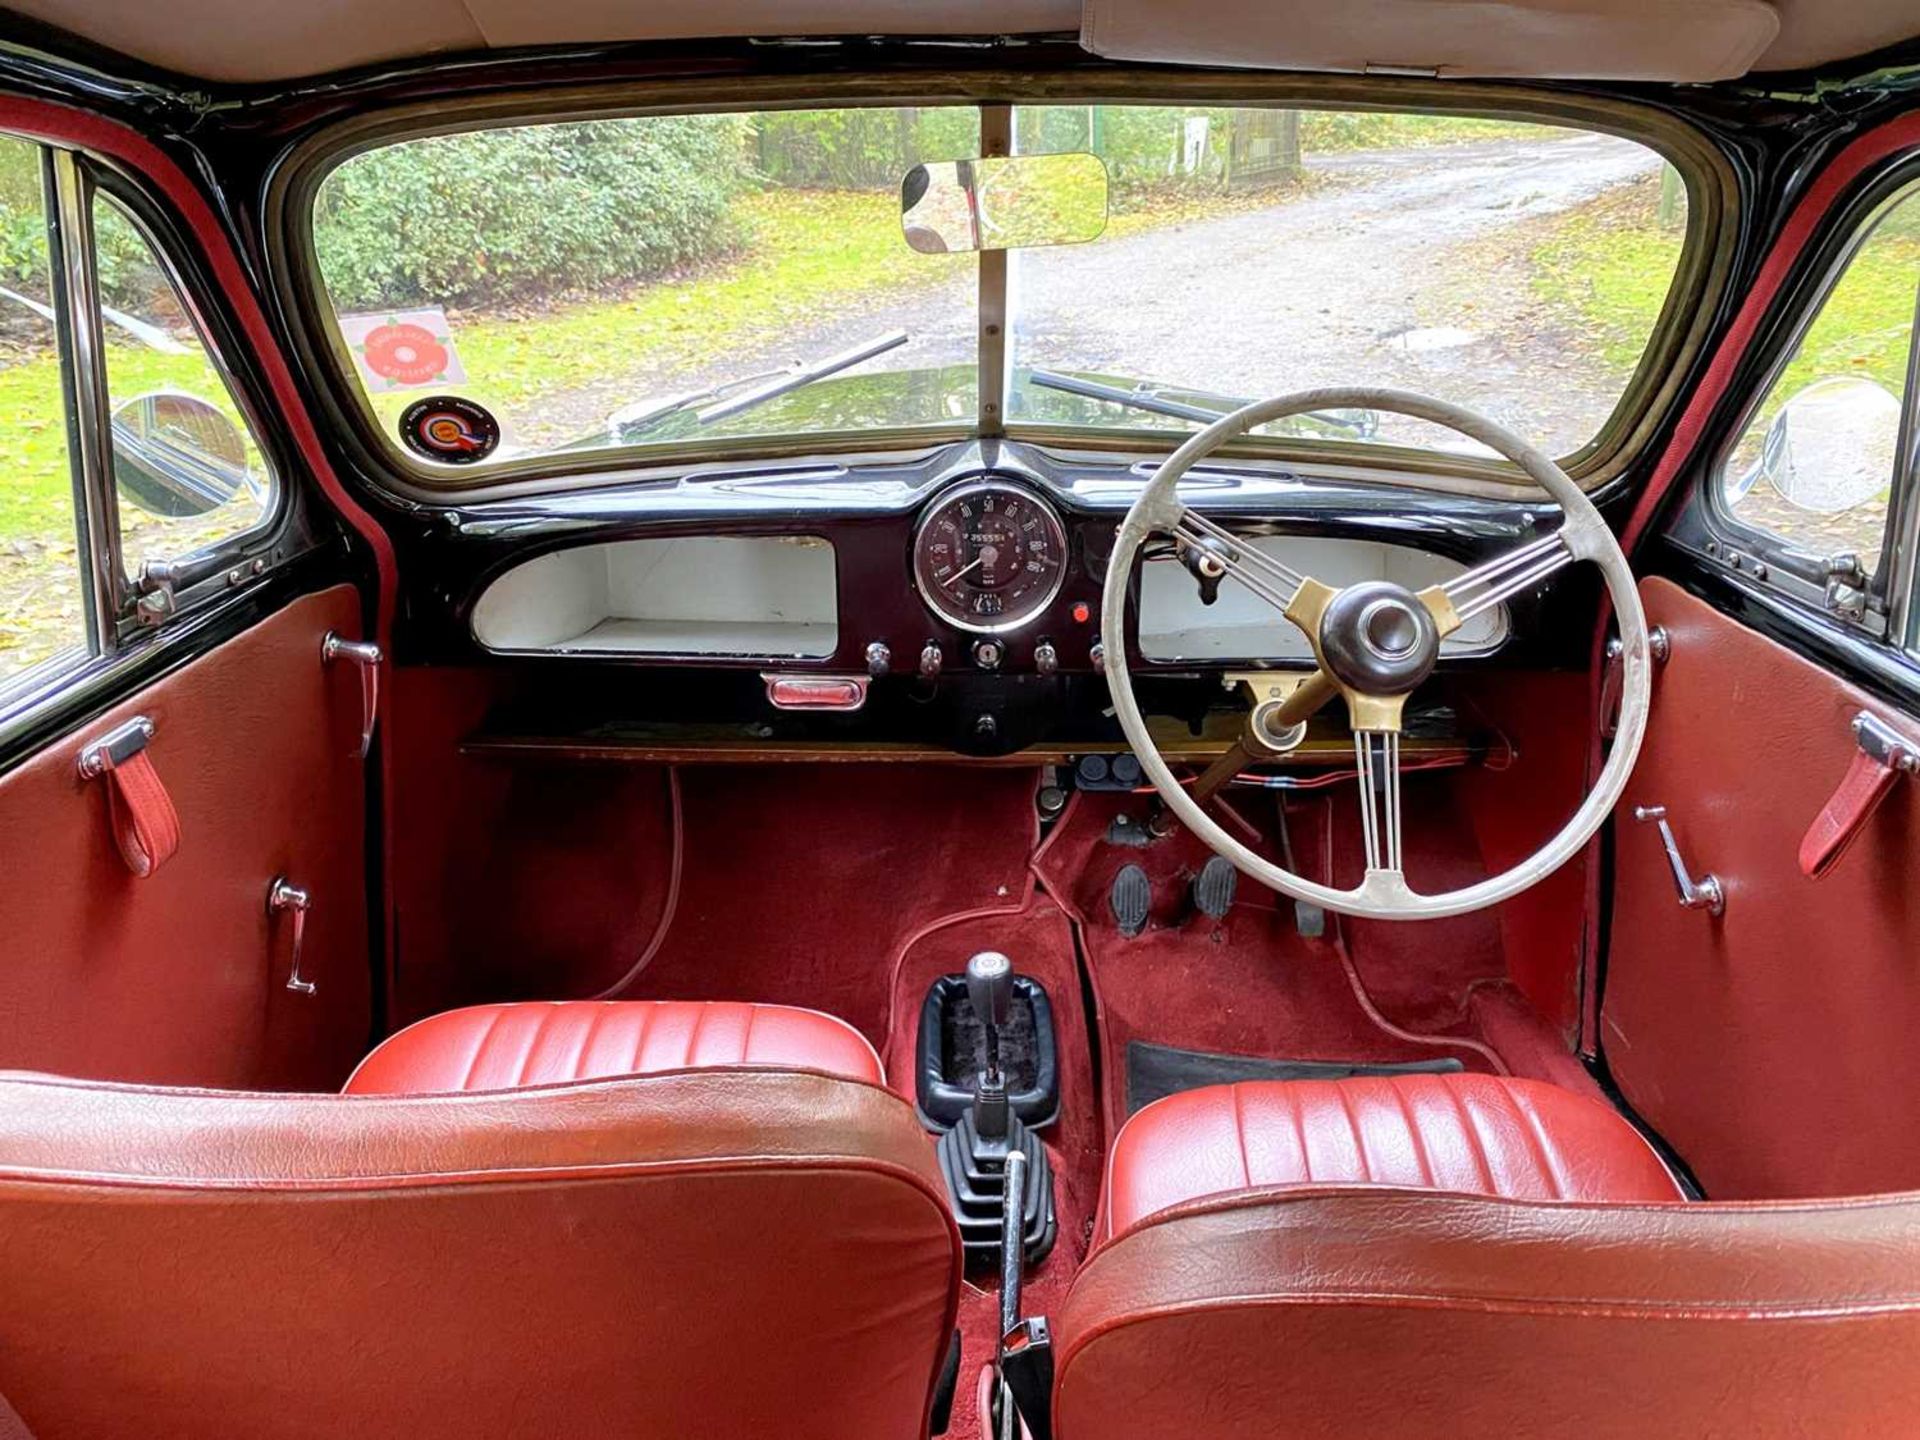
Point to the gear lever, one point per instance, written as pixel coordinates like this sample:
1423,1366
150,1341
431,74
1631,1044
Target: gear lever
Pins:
990,988
974,1155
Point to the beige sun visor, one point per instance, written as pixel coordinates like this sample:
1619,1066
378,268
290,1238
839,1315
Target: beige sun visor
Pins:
1675,40
1686,40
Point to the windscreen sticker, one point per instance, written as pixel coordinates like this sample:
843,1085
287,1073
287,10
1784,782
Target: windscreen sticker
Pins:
403,349
450,429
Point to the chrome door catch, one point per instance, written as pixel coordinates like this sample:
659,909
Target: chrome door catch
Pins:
1613,677
1884,745
284,895
367,656
115,748
1706,893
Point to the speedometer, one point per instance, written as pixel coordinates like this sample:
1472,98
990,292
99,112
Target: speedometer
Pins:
989,556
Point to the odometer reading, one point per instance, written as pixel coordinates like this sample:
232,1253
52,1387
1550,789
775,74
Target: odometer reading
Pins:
989,556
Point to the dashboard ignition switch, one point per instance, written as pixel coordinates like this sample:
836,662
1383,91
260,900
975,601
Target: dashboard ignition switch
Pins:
988,654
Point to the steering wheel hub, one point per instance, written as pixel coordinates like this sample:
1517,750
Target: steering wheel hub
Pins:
1378,638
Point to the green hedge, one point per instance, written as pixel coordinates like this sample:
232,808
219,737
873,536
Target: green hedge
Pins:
505,214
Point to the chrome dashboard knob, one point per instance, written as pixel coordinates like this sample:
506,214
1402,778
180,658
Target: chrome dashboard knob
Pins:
931,660
1046,659
879,659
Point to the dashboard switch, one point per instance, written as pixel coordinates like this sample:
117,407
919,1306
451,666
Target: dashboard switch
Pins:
1046,659
988,654
1097,657
931,660
879,659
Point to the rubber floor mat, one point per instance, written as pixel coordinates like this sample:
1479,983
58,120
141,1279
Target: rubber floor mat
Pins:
1157,1071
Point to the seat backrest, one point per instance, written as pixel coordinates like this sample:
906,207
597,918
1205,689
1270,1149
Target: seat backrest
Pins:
1389,1315
756,1254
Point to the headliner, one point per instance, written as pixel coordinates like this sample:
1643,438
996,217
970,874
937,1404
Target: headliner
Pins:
251,41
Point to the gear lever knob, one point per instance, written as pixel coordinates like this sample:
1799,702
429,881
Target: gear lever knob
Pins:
990,987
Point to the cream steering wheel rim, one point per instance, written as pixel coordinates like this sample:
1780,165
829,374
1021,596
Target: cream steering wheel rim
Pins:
1384,894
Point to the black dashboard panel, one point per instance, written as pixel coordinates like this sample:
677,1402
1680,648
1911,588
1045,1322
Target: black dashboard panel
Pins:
871,510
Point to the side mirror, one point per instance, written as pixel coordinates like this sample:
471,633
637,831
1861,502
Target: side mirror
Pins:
178,455
1832,446
1010,202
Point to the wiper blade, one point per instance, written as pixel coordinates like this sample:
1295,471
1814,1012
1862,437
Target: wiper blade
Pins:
765,386
1141,397
1354,424
787,381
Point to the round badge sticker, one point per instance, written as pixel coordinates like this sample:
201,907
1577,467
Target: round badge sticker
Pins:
449,429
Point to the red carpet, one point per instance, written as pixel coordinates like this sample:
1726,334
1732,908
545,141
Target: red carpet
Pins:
849,888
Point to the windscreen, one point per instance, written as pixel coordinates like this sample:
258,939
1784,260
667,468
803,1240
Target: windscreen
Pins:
546,289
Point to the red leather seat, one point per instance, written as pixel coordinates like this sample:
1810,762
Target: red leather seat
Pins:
1470,1133
502,1047
755,1254
1395,1259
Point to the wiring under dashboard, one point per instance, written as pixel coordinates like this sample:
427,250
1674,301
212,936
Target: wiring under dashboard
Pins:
678,853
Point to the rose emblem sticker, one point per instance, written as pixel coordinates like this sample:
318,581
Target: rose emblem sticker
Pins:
450,430
403,349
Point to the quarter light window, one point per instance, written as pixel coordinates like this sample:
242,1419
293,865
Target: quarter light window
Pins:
186,470
1814,465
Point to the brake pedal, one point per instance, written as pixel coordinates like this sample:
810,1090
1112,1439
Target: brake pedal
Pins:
1130,900
1214,887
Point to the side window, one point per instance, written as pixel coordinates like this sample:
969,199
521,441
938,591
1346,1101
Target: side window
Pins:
44,592
186,470
1815,466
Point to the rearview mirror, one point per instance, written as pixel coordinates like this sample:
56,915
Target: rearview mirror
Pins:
1009,202
177,455
1832,445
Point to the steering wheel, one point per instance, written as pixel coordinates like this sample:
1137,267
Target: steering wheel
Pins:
1375,642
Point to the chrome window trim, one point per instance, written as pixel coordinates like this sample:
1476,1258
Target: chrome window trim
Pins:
98,516
1903,518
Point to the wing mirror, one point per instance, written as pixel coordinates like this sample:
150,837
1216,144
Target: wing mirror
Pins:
1831,447
178,455
1006,202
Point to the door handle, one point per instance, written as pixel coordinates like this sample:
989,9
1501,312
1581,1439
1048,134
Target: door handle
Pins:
367,656
285,896
1706,893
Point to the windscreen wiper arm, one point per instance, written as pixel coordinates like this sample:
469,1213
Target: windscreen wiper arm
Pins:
787,381
644,415
1141,397
1358,424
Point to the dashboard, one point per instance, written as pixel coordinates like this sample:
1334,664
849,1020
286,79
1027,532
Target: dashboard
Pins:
956,591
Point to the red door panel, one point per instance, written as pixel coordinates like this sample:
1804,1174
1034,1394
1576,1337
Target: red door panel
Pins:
1774,1046
181,977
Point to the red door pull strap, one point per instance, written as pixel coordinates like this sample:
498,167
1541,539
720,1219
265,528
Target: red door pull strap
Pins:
146,827
1883,757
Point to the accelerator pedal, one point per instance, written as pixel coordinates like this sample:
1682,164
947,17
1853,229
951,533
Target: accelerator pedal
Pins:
1130,900
1214,887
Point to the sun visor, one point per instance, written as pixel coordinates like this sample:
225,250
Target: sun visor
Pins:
1673,40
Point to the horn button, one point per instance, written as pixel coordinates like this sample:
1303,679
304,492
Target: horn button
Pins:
1378,639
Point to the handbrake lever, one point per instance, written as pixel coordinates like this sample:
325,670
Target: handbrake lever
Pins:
1025,1359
